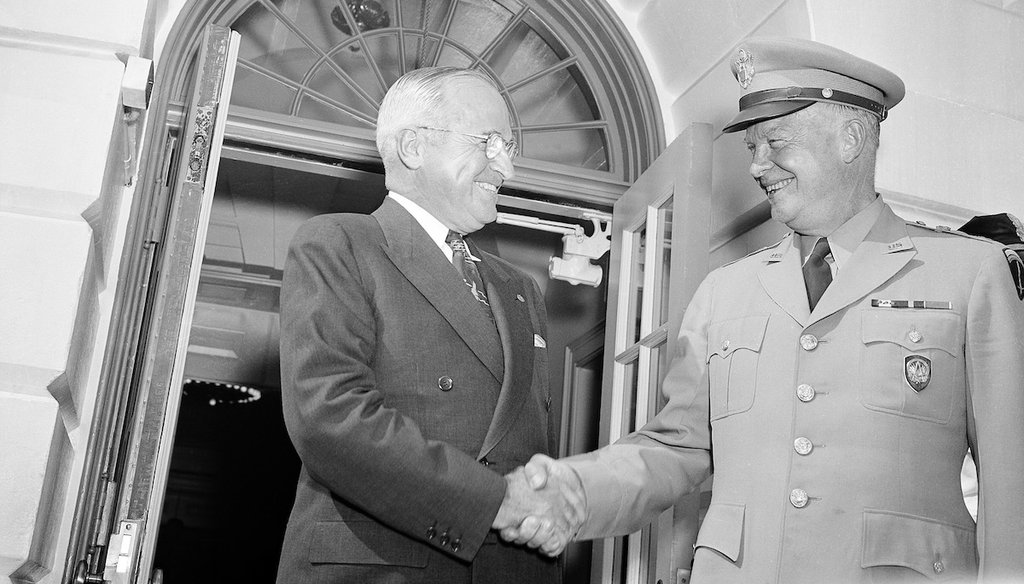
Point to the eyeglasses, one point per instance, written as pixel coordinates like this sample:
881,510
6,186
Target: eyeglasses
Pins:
494,142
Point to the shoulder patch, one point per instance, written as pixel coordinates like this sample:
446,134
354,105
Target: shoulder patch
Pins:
1016,271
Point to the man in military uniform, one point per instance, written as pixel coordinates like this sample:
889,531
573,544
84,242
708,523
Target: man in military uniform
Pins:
836,379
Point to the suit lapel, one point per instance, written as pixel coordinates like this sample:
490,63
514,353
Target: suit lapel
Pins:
883,253
512,317
412,251
784,282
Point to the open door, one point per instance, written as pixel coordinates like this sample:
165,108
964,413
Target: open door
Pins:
122,492
659,255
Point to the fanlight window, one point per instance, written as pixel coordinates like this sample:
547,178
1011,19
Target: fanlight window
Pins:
331,61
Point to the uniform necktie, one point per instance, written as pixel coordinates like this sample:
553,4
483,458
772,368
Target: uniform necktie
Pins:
465,263
817,273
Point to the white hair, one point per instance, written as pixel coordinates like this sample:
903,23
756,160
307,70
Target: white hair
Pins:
417,99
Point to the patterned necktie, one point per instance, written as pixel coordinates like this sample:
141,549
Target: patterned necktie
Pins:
465,263
817,273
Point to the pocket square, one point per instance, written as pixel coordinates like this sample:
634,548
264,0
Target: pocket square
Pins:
539,342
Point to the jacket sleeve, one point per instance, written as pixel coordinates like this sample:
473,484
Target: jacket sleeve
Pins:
995,377
628,483
371,456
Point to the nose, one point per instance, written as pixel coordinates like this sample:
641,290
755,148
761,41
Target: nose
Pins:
760,161
502,164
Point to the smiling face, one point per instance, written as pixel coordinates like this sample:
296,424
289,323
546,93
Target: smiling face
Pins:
797,160
458,184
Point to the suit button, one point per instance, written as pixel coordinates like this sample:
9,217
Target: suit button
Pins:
802,446
485,462
456,545
938,567
798,497
804,392
809,342
444,539
431,532
445,383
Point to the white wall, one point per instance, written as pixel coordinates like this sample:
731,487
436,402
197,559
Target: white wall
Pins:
62,213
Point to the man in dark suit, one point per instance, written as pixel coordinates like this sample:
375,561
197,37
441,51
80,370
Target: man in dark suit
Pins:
414,367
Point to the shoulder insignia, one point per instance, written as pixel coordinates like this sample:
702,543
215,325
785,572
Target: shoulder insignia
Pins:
1016,271
757,251
949,230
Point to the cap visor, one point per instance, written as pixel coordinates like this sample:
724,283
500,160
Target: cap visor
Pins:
764,111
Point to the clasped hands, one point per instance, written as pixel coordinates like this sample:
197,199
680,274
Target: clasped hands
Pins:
544,505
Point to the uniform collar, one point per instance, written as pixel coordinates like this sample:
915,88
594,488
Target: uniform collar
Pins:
844,240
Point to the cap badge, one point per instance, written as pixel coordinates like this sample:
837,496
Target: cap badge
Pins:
826,93
744,68
918,371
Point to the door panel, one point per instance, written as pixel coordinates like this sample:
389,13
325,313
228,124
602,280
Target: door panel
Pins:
659,255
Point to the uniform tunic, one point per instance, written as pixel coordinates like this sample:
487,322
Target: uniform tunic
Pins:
837,436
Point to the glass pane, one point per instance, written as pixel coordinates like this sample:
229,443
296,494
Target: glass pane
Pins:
582,148
452,57
325,81
412,13
521,54
384,51
256,90
477,23
631,379
664,261
555,98
269,43
314,108
634,288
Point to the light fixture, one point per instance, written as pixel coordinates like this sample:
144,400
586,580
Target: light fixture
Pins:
215,393
368,14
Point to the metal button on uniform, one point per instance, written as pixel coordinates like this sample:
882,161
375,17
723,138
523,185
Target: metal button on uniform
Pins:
938,567
803,446
485,462
456,544
798,497
725,345
445,383
915,336
444,539
804,392
431,532
808,342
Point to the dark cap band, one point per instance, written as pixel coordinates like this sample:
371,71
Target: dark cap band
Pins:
812,94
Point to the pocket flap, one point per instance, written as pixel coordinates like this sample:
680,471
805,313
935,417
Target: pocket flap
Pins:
722,529
726,337
933,548
364,542
913,330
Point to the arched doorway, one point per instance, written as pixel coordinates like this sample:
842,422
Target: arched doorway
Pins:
310,75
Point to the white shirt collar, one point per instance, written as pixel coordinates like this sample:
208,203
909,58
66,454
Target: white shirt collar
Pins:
434,228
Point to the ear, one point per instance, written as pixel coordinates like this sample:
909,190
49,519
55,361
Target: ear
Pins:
409,146
854,139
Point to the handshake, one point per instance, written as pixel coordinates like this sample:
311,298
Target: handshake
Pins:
544,505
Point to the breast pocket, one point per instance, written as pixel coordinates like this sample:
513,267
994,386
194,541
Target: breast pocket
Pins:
734,350
912,363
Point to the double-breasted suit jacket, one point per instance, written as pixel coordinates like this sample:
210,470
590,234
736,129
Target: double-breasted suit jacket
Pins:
837,436
406,405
